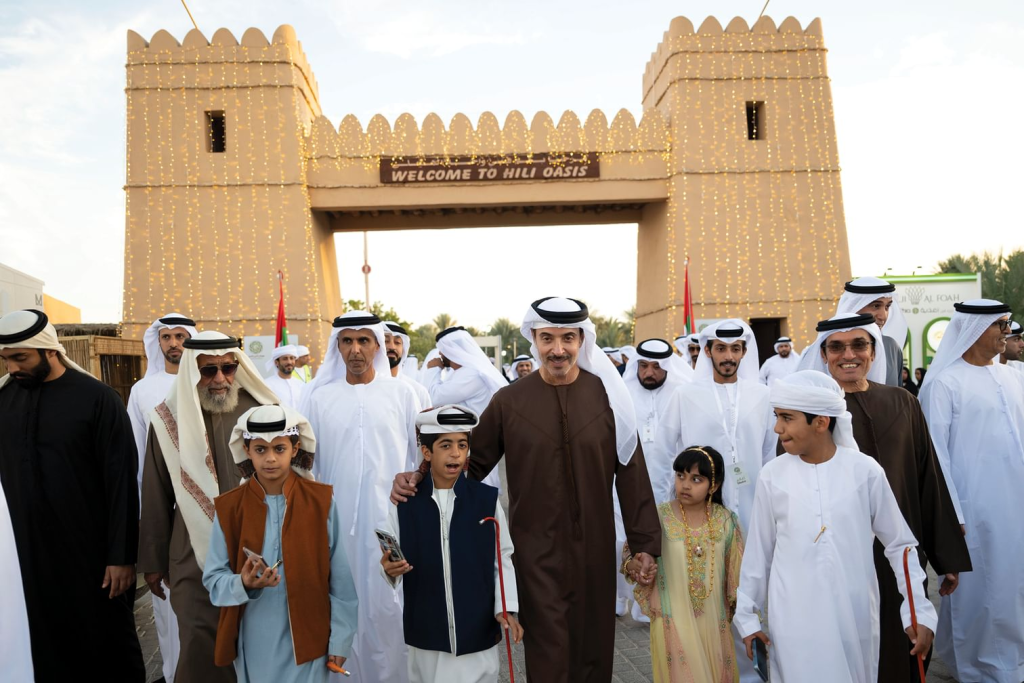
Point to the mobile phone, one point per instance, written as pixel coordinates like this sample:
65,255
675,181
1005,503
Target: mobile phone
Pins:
761,659
390,544
255,556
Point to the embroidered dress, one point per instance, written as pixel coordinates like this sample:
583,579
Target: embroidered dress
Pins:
691,635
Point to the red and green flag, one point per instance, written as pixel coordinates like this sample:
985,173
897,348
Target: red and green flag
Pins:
281,329
689,324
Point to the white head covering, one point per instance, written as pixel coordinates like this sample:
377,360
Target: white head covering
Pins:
968,323
729,332
680,343
301,350
410,367
446,420
394,329
31,329
333,367
179,426
815,393
268,423
1015,329
280,351
151,340
456,345
785,340
629,351
521,358
659,351
860,292
570,313
812,360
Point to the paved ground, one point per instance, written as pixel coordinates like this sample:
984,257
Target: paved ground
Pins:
632,648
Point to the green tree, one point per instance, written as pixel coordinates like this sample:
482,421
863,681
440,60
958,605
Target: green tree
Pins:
443,321
610,331
512,342
421,341
1002,277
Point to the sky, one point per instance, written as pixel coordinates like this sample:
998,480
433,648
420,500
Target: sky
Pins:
927,98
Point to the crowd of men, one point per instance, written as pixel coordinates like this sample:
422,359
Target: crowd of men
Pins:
590,435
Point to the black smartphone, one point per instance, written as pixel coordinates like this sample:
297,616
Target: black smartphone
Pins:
761,659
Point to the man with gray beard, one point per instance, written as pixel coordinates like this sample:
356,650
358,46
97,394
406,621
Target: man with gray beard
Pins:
187,465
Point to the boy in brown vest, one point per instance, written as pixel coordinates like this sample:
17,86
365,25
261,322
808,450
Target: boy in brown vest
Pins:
276,567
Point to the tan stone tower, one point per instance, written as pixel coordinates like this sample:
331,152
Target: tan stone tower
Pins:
753,186
217,200
234,174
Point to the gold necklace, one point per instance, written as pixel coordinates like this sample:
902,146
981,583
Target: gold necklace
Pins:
699,589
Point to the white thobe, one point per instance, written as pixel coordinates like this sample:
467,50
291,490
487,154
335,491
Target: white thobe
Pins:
289,391
366,434
465,387
734,419
648,404
15,643
432,666
422,395
820,586
778,367
148,393
976,419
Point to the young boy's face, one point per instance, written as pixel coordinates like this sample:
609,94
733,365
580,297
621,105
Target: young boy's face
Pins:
692,487
272,460
448,457
795,435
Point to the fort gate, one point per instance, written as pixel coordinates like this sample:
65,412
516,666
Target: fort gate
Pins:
233,173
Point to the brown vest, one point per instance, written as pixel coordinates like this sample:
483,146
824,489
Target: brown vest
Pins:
242,513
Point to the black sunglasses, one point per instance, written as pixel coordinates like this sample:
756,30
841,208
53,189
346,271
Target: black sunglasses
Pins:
210,371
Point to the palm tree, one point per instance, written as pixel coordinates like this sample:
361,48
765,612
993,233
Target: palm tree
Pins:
1002,277
510,339
443,321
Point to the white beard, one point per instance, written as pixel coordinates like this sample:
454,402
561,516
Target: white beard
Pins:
218,404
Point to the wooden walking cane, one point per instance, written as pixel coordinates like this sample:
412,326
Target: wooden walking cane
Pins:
913,612
501,585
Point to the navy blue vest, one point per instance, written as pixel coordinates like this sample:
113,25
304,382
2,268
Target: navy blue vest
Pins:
472,569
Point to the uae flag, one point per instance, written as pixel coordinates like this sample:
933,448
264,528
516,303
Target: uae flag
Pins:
689,325
281,330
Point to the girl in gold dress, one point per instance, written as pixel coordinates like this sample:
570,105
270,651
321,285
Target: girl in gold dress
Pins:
692,601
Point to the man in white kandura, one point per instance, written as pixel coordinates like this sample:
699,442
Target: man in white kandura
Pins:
522,365
651,376
727,408
365,424
784,362
1011,357
469,379
809,555
303,372
878,297
975,412
163,342
282,381
396,341
724,407
15,644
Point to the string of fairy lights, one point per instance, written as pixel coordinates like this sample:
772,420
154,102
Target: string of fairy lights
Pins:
751,215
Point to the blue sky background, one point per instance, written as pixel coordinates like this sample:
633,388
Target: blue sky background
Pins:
928,99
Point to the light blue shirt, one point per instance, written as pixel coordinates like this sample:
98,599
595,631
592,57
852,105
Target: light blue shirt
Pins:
265,651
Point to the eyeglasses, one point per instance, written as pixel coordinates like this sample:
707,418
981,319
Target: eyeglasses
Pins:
210,371
1004,325
858,345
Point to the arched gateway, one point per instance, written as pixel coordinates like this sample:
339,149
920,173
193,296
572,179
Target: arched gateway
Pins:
233,173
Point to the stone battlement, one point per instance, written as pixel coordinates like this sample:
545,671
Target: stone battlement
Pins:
163,50
460,138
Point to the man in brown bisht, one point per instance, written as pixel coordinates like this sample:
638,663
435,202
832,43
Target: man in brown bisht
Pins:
187,465
568,434
889,425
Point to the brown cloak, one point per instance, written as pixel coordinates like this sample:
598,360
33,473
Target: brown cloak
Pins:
561,464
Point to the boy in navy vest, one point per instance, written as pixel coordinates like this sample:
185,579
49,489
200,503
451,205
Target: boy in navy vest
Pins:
453,612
